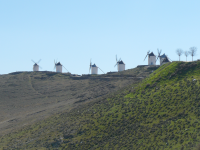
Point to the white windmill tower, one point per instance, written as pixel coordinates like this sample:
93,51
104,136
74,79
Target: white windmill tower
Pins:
58,66
36,66
120,65
151,58
94,68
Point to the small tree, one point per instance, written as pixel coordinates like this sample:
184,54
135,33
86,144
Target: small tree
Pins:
193,51
179,52
186,54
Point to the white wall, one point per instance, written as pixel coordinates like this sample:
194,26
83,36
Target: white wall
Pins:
35,68
94,70
152,60
59,68
121,67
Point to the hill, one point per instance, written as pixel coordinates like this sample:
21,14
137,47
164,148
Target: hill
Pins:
161,112
27,97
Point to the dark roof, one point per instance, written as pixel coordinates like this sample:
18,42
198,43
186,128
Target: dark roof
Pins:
58,64
166,59
151,54
94,65
35,64
120,62
163,56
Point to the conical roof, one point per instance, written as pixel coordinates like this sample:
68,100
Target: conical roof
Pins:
166,59
35,64
94,65
121,62
163,56
58,64
151,54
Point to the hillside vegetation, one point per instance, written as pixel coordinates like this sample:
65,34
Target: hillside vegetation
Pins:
27,97
161,112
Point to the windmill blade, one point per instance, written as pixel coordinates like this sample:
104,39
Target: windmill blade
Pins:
148,52
157,58
119,59
55,62
40,67
101,70
116,58
145,57
159,52
54,65
168,58
89,70
65,68
90,65
33,61
115,64
38,61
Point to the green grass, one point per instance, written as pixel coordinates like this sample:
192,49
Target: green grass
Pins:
161,112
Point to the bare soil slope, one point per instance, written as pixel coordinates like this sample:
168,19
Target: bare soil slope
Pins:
28,97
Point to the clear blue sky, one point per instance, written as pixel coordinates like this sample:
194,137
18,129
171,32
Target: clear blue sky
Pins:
75,31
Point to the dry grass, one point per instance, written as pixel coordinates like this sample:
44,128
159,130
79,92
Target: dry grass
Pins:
32,96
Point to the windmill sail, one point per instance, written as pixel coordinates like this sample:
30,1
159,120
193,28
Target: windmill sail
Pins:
65,68
90,65
101,70
146,55
117,61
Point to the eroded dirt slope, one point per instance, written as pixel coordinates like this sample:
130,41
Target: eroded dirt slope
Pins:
31,96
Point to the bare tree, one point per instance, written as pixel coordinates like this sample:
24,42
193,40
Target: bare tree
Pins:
186,54
179,52
193,51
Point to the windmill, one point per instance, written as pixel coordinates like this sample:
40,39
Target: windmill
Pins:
58,66
151,58
120,64
36,66
165,60
161,57
94,68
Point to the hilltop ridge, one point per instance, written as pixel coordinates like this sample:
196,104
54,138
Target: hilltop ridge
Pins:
161,112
